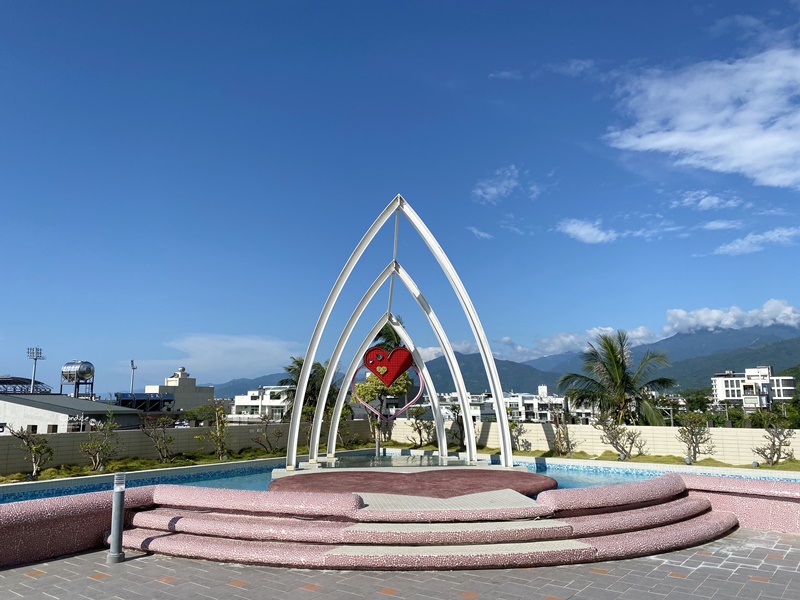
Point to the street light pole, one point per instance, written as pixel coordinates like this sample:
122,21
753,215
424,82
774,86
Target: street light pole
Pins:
35,354
133,371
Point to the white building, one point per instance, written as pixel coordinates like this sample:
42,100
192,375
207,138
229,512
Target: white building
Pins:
755,388
184,389
57,413
272,400
541,407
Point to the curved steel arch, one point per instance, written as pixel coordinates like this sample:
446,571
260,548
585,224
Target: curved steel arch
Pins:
398,203
444,343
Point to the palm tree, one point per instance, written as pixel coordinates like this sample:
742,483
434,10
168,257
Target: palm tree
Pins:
388,338
610,381
313,388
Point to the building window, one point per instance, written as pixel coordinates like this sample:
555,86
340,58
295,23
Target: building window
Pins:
32,428
52,429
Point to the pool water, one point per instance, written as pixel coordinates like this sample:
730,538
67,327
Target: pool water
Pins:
566,479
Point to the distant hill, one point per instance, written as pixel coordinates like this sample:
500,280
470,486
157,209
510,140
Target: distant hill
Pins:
695,357
513,375
237,387
697,372
684,346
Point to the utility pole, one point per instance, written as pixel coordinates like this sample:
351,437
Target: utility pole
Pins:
35,354
133,371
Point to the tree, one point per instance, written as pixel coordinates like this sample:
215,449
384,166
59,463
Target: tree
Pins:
36,447
388,338
697,399
157,428
610,381
621,439
694,434
372,390
563,444
313,388
102,444
778,436
423,428
218,430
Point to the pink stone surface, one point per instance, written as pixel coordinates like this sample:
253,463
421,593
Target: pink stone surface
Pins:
294,503
323,531
432,483
698,530
568,501
34,530
302,529
640,518
758,504
322,557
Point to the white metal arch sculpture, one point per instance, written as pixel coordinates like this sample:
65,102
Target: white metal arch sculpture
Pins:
336,356
394,268
396,206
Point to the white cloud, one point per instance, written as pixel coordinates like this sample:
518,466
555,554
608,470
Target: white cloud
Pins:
574,67
535,190
721,225
493,189
577,342
773,312
513,75
703,200
755,242
737,116
219,358
481,235
586,231
430,352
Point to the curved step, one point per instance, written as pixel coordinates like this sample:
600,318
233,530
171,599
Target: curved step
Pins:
308,504
637,518
569,502
698,530
285,554
245,527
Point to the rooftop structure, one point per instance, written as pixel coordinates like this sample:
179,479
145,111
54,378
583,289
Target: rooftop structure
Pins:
22,385
186,392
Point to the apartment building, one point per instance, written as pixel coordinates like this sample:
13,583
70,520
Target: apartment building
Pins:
756,388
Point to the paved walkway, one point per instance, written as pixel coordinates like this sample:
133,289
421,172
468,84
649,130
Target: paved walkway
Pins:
746,564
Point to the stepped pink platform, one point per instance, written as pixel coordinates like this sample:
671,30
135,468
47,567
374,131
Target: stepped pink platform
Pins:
375,530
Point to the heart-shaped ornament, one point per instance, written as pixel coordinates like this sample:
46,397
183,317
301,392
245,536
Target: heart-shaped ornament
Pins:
388,366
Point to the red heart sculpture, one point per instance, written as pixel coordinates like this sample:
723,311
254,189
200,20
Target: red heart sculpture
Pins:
388,366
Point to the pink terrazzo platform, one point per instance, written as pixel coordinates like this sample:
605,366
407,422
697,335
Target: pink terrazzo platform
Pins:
433,483
758,504
34,530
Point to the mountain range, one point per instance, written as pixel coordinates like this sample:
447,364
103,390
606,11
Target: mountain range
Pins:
695,357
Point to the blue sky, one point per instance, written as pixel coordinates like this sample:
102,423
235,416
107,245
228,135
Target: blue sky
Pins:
182,182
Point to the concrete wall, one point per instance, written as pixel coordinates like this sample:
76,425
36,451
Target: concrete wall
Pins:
66,446
733,446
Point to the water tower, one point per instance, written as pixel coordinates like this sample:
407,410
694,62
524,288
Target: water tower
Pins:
79,373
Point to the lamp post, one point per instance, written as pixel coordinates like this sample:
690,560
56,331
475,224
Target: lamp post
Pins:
133,371
35,354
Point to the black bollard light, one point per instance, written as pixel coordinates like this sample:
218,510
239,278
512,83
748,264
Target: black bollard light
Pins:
115,554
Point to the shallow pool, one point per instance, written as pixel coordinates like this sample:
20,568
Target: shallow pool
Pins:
566,479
